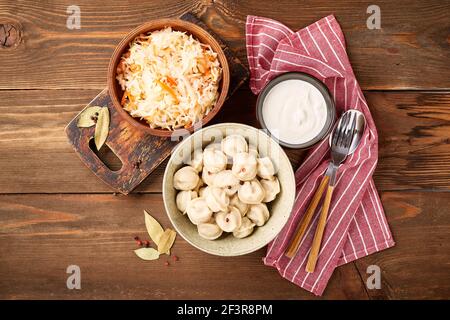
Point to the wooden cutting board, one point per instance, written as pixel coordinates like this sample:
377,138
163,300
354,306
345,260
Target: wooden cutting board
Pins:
138,152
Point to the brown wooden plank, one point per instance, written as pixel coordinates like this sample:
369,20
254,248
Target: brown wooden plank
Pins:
414,129
418,267
40,235
413,40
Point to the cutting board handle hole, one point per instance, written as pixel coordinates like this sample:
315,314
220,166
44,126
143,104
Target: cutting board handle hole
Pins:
107,156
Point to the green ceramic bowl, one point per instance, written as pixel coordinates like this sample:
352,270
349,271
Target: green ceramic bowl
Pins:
280,208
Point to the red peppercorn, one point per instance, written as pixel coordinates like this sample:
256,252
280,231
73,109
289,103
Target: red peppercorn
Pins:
167,263
175,258
139,243
136,238
147,243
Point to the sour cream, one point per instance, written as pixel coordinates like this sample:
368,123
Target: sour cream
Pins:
294,111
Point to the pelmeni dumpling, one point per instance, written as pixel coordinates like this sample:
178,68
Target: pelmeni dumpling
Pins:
199,185
265,168
214,160
229,220
258,214
225,188
253,151
208,176
198,211
244,166
183,198
242,207
271,188
209,230
213,146
251,192
216,199
227,181
196,160
233,144
245,229
185,178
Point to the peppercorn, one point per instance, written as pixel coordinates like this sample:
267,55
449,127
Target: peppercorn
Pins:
137,164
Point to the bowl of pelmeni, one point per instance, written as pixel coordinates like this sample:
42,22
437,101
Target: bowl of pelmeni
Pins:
228,189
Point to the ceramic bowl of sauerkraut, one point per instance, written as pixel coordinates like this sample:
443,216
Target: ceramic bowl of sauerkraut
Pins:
229,189
168,77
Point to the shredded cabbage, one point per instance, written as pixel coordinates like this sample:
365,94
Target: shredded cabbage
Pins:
169,79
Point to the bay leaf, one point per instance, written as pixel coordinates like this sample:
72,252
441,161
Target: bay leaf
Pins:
147,253
85,118
154,229
166,241
102,127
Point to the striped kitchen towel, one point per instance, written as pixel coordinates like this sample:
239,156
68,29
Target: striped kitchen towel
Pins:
356,224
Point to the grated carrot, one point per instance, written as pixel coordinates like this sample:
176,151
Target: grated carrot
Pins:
169,90
124,98
171,81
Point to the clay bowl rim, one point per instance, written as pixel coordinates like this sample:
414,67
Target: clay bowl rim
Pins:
176,24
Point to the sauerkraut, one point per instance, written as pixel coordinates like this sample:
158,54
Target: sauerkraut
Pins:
169,79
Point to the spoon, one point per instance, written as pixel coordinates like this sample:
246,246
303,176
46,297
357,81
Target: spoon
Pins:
343,141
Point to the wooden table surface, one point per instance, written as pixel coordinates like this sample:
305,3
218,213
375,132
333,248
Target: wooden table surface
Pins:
54,212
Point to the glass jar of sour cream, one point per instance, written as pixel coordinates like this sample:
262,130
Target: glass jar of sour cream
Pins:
296,109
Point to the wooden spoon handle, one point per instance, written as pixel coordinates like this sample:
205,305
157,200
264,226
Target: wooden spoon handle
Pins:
315,248
306,219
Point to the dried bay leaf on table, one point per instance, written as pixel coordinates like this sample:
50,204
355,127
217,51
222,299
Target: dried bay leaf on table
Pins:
147,253
166,241
102,127
85,118
154,229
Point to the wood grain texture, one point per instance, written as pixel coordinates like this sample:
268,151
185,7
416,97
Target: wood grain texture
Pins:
414,148
389,58
418,267
41,235
413,40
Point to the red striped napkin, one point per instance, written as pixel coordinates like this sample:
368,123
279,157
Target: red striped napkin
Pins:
356,224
